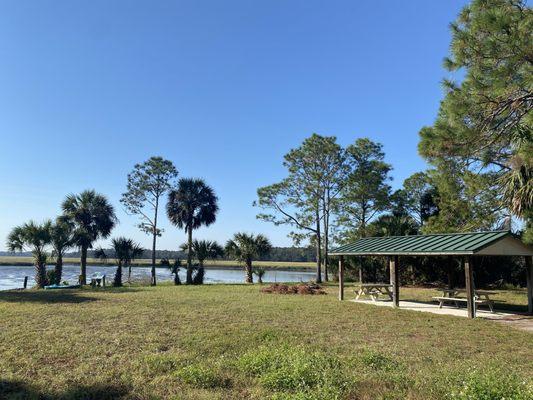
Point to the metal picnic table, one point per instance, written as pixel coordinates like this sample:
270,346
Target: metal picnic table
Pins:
374,290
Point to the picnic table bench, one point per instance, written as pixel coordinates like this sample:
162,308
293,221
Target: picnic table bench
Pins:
374,290
481,297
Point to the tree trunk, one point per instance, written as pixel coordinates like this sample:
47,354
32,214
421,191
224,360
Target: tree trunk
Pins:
118,276
450,273
154,240
318,260
129,273
326,235
189,257
153,279
83,263
249,274
326,244
360,269
59,268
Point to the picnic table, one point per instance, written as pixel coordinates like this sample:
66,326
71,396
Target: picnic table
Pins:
453,296
98,279
374,290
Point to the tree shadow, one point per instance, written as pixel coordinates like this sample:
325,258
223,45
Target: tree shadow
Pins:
18,390
45,297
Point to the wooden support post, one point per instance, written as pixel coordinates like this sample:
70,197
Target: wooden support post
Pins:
394,281
341,278
529,279
25,282
469,283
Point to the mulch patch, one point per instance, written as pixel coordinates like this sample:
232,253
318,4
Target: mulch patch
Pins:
304,288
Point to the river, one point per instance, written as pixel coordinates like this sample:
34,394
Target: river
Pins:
12,277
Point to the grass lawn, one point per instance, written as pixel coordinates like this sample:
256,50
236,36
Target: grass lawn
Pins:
16,260
233,342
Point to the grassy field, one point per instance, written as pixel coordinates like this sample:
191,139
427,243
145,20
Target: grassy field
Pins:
234,342
15,260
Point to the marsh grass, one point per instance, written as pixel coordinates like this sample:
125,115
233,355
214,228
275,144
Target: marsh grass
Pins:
204,342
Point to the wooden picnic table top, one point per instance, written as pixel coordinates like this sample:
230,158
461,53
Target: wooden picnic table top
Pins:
373,285
482,292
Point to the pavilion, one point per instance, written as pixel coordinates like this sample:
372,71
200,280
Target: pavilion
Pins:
463,245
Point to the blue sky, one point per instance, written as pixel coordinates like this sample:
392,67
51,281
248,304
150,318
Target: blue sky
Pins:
223,89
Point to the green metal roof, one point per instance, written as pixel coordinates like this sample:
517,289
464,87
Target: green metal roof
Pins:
434,244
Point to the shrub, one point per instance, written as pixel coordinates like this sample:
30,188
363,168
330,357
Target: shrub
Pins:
198,277
201,377
492,384
50,276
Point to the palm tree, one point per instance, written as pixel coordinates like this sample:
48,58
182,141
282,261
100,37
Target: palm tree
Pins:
61,238
126,250
203,250
34,237
245,247
92,217
191,205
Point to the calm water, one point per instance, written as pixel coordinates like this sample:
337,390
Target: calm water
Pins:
12,277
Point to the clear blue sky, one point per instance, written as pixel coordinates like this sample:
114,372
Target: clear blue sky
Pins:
222,88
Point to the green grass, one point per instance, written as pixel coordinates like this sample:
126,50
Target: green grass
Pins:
233,342
16,260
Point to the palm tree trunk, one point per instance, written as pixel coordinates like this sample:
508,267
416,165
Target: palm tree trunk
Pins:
118,276
249,274
40,274
59,269
189,256
83,263
129,273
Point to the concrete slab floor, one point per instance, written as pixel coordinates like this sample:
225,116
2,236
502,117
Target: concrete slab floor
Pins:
517,320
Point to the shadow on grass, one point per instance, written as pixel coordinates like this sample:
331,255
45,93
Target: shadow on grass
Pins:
42,296
61,296
15,390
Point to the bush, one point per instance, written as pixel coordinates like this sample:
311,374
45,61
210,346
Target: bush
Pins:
198,277
492,384
51,276
201,377
295,372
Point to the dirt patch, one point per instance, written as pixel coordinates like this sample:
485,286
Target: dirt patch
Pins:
293,289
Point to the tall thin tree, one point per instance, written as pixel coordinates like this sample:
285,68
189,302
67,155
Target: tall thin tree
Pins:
147,183
305,197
